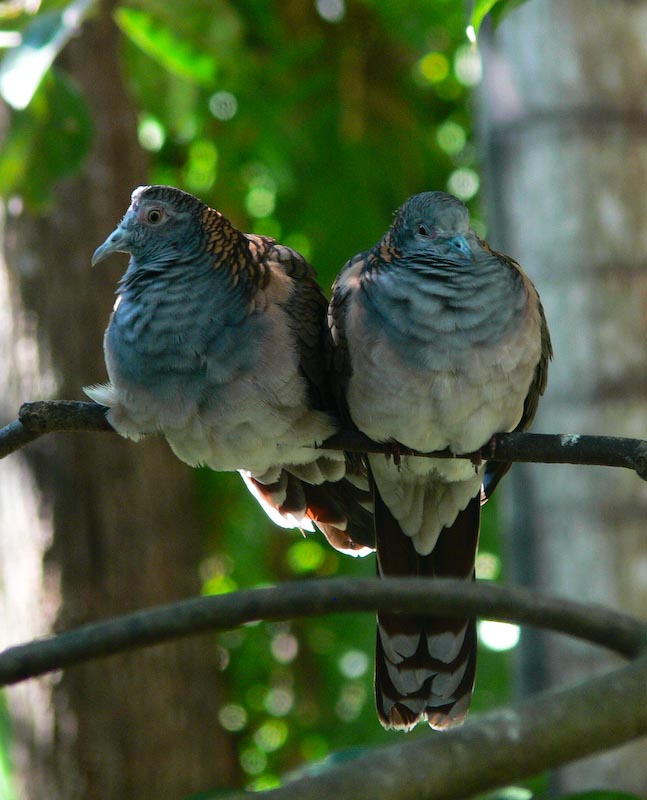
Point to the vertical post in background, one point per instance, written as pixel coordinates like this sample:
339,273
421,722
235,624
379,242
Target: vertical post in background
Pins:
563,114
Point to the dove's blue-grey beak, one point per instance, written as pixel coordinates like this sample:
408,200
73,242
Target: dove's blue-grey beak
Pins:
117,242
461,244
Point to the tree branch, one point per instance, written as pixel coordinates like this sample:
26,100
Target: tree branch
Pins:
38,418
514,743
493,750
619,632
47,416
507,745
545,448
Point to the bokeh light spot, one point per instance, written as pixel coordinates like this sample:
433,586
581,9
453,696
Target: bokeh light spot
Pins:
306,555
215,572
464,183
451,137
331,10
433,67
279,701
200,172
468,66
222,657
284,647
488,566
15,205
253,761
151,134
260,201
223,105
351,699
271,736
353,664
232,717
498,636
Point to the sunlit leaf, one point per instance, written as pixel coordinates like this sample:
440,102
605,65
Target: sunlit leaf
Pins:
511,793
24,66
176,54
481,8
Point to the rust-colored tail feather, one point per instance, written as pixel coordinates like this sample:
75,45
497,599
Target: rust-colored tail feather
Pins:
342,509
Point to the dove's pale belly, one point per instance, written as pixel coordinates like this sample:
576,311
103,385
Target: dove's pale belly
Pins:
227,410
431,409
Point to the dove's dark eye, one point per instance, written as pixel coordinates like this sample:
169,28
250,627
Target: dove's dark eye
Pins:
424,230
154,216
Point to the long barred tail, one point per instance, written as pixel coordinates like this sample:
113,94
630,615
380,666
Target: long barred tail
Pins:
425,665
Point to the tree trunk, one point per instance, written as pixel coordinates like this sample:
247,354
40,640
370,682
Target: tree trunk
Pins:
92,525
564,116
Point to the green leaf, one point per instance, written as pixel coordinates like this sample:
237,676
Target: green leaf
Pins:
510,793
24,67
499,9
481,8
45,142
176,54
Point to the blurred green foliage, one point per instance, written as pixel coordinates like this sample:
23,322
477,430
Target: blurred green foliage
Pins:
6,790
311,122
603,795
35,154
521,793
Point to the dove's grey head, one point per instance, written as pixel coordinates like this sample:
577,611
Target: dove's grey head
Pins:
162,224
434,224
